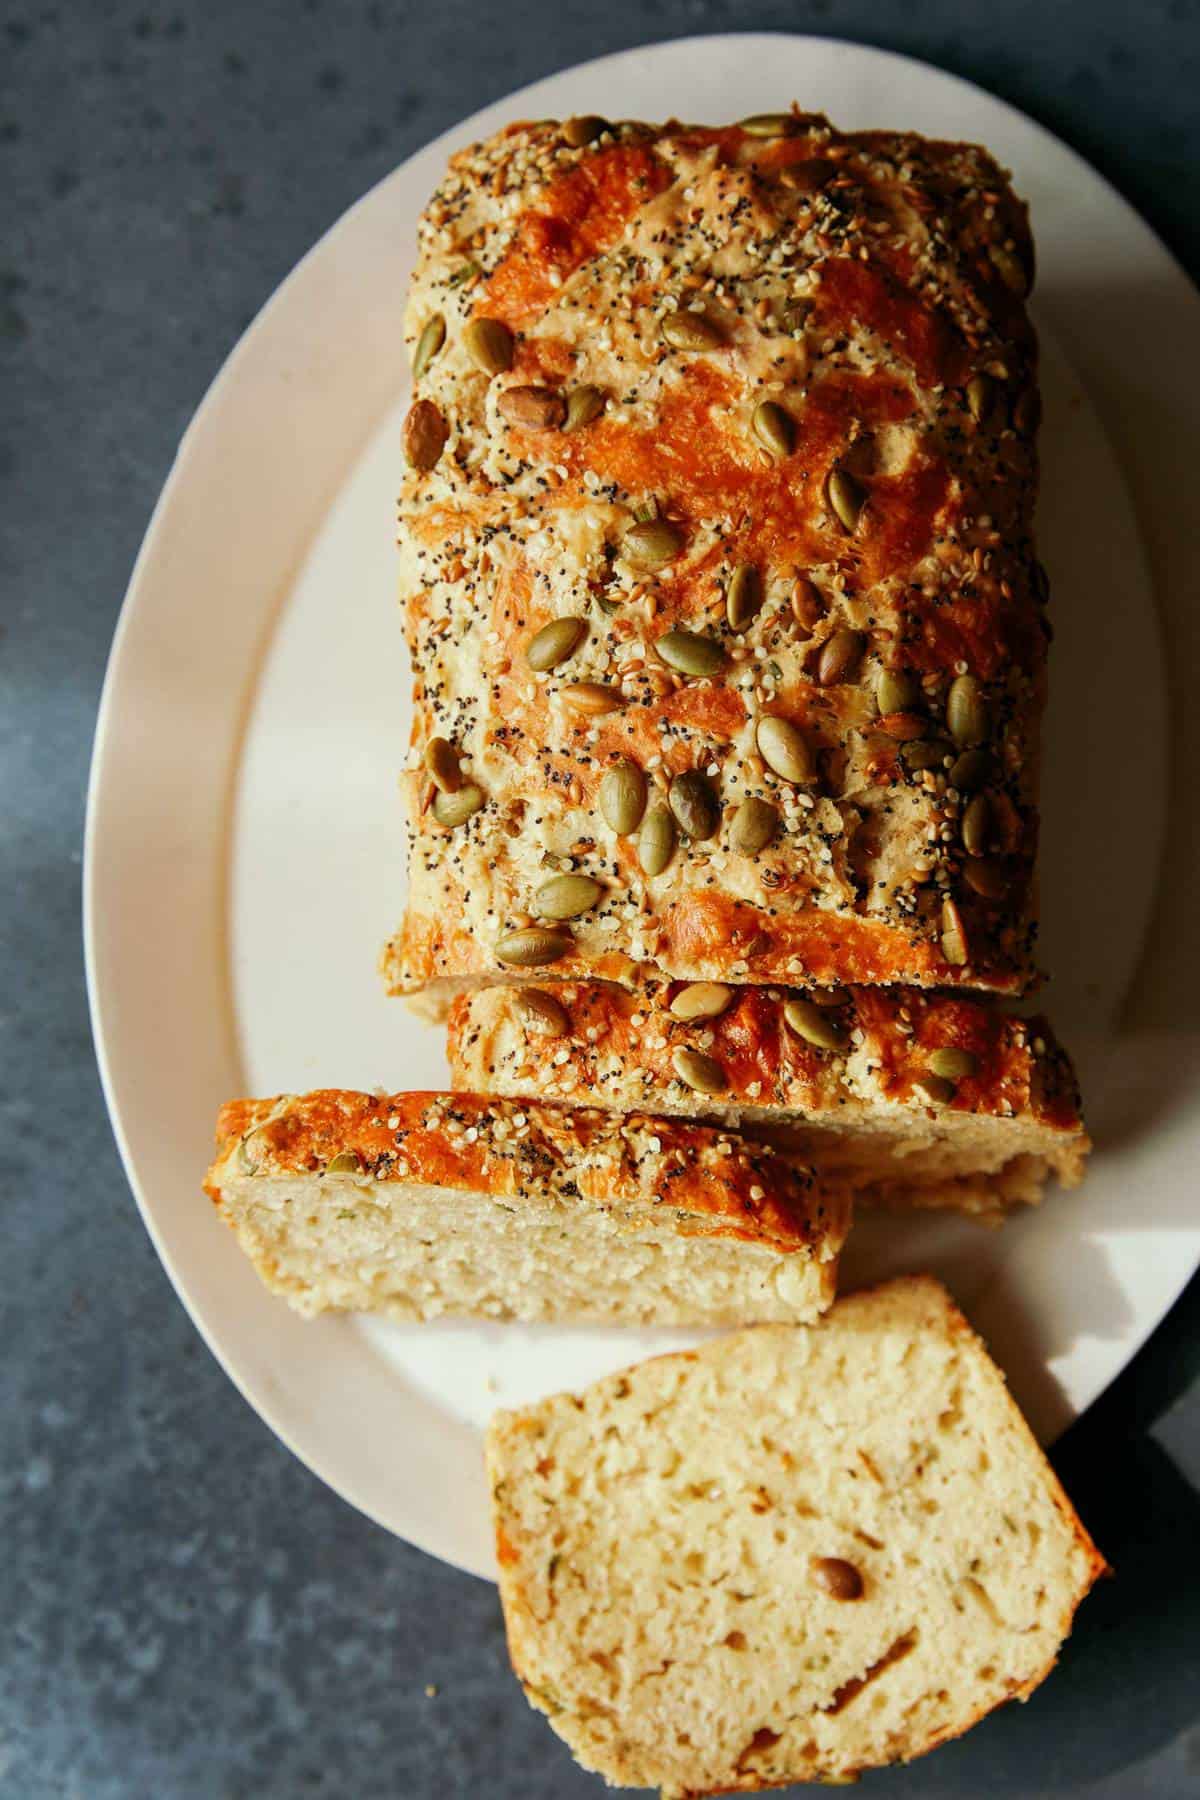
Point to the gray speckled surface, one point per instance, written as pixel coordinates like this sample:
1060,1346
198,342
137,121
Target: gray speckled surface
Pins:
186,1612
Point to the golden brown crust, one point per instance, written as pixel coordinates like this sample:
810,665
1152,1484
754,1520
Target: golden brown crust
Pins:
715,1183
870,285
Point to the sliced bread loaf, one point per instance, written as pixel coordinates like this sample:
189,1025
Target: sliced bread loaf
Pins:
440,1205
787,1556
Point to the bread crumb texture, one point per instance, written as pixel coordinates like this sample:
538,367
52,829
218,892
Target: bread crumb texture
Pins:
790,1555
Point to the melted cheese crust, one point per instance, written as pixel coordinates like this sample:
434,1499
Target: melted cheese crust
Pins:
870,285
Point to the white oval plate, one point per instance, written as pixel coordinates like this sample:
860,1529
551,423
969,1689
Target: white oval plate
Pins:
244,853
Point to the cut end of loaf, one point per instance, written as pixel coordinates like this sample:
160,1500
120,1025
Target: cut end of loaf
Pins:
858,1550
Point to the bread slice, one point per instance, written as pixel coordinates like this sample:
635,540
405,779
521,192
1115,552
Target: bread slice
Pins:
865,1102
787,1556
430,1206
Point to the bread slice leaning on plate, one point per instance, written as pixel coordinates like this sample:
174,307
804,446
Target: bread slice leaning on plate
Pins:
427,1206
790,1555
916,1099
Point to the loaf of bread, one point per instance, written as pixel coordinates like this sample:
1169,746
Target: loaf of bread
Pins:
917,1099
788,1556
716,543
429,1206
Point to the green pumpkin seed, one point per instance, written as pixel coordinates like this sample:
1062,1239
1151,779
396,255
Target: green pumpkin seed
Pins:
622,797
489,344
754,825
452,810
690,652
346,1162
696,808
743,596
814,1025
896,691
806,603
769,125
970,770
839,657
583,405
685,330
1010,269
652,542
656,841
441,760
701,1000
986,877
774,428
936,1088
533,946
981,397
536,408
952,1064
967,713
954,937
541,1012
695,1070
976,821
433,336
555,642
924,753
846,496
784,749
1027,413
581,131
425,434
591,698
566,896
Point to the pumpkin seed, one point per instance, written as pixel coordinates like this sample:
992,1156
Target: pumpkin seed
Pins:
541,1012
536,408
839,656
455,809
346,1162
592,698
743,596
936,1088
489,344
534,945
814,1025
652,542
466,271
1027,413
656,840
924,753
896,691
695,806
686,330
952,1064
555,642
701,1000
566,896
1010,269
905,727
695,1070
622,797
846,496
774,428
754,825
583,405
769,125
784,749
954,938
690,652
966,712
794,316
433,336
648,509
441,759
806,603
986,876
970,770
581,131
981,397
425,434
975,822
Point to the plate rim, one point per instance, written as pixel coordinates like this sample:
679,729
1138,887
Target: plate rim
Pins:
135,600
